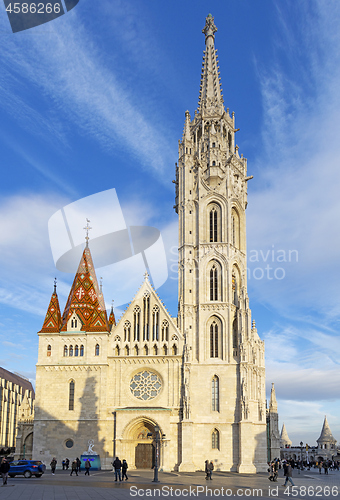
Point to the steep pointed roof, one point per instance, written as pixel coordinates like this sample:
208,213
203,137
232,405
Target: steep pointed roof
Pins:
326,433
52,323
85,298
284,437
273,402
210,96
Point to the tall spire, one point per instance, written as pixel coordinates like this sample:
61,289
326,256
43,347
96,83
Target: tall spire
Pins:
210,96
52,323
112,319
85,298
273,402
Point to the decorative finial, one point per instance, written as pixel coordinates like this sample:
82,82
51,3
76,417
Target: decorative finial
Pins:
146,275
209,28
112,305
87,229
55,285
254,324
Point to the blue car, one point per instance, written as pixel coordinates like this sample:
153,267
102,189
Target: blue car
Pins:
27,468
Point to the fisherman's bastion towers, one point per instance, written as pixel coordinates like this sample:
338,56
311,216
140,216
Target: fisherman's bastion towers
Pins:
198,378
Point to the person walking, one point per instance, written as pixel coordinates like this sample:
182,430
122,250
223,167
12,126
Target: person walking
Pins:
124,469
78,464
211,468
63,464
87,467
53,465
288,473
207,472
67,463
4,468
117,464
74,467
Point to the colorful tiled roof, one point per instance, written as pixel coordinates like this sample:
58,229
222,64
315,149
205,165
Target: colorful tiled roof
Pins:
52,323
86,299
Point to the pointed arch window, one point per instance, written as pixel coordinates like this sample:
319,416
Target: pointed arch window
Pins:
174,350
65,350
74,323
213,221
214,340
165,331
127,329
165,350
234,288
127,350
235,228
146,316
146,350
81,350
136,323
136,350
71,350
235,336
155,350
97,350
213,283
117,350
71,396
155,323
215,440
76,351
49,349
215,394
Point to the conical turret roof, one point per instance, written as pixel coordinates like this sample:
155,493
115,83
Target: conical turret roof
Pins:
285,441
210,96
52,323
326,435
85,298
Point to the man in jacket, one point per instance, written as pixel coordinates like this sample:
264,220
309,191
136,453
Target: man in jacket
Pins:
287,470
87,467
117,464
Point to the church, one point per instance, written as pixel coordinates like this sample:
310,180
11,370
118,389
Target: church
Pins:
195,381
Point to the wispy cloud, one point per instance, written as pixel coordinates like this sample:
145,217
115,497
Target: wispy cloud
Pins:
68,70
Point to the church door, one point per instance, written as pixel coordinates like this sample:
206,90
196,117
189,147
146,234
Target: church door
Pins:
144,456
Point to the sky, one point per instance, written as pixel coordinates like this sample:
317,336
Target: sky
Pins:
95,101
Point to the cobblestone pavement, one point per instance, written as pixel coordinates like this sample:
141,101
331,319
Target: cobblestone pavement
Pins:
101,486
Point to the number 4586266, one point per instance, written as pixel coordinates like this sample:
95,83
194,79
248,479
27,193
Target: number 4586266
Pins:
33,8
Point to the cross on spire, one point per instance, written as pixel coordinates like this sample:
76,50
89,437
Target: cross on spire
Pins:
87,229
146,275
55,285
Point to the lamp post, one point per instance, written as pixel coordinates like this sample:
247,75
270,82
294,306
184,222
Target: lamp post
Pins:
157,442
301,445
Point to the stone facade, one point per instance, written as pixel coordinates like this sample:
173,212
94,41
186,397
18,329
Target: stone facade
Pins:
16,405
200,377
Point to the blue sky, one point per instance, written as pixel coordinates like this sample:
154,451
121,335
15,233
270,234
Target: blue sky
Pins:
95,100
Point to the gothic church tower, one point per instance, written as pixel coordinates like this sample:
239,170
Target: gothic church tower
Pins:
224,358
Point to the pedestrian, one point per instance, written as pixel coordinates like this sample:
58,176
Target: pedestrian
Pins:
288,473
67,463
4,468
63,464
206,469
53,465
117,464
87,467
211,468
74,467
325,466
320,466
78,464
124,469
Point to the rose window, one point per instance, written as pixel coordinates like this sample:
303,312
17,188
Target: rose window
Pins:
145,385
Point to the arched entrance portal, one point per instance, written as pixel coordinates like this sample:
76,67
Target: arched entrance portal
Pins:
139,445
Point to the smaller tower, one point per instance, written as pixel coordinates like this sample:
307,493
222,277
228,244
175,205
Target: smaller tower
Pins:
273,427
285,441
326,442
